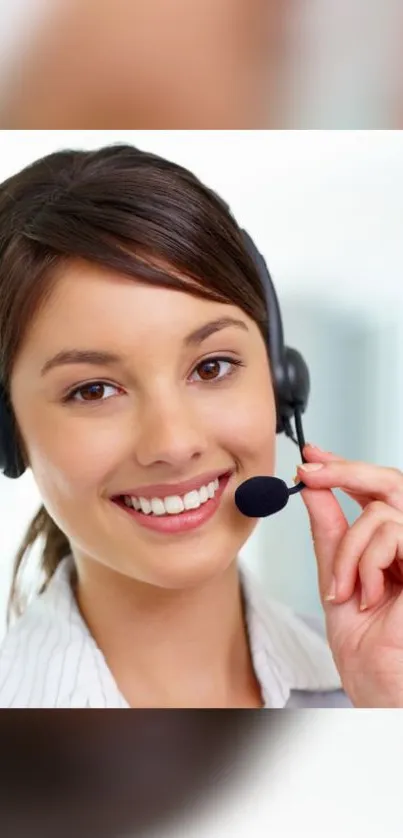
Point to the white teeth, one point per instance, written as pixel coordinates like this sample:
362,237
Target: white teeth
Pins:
145,506
173,504
203,494
157,506
192,500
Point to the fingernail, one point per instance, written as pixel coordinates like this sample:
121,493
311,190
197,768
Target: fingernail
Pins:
363,605
332,591
310,466
315,447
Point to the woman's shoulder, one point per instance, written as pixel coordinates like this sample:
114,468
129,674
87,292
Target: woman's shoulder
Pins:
291,655
35,649
18,652
319,698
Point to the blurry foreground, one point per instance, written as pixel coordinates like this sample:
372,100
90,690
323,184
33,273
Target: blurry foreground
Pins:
201,64
117,775
144,64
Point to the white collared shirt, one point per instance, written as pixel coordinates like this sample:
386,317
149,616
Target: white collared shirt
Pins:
49,659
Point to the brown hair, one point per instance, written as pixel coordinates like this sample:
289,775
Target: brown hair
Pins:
125,209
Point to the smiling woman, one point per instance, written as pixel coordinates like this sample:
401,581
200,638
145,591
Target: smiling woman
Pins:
133,329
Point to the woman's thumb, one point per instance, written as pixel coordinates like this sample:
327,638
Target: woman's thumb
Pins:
328,525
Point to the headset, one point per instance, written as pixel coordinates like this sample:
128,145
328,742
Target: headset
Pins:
291,380
290,374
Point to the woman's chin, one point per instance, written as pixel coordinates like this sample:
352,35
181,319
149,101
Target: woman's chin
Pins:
182,571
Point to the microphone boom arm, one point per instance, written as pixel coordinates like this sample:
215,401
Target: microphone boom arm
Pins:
300,441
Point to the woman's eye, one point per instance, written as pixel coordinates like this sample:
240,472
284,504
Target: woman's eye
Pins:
213,369
91,392
216,368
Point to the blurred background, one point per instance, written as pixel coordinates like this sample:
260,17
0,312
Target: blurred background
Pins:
325,209
201,64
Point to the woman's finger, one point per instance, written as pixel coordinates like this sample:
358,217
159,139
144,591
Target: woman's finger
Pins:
378,482
313,454
316,454
328,526
384,548
354,543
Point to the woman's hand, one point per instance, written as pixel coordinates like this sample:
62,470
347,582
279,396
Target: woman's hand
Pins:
360,570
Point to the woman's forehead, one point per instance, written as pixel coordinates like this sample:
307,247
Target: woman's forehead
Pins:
84,289
92,307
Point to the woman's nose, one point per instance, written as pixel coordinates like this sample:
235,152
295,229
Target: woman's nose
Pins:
170,433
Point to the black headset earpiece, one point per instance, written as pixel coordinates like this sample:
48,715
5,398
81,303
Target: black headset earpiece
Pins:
11,460
290,372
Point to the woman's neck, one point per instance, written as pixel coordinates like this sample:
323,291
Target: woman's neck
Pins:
167,648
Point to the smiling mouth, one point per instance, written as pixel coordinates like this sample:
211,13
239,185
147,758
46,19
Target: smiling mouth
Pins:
181,521
173,504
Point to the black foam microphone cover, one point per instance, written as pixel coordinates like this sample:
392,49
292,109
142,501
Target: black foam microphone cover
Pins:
259,497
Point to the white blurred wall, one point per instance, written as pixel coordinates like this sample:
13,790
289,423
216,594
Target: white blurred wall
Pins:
345,63
19,20
326,209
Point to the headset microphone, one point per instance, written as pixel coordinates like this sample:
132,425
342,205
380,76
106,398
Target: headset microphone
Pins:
261,496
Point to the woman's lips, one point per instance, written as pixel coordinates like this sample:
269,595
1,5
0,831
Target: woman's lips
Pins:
184,521
167,489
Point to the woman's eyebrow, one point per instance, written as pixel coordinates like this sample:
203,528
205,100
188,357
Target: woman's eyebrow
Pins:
80,356
98,357
203,332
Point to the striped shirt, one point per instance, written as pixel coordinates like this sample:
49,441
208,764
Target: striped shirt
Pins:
49,659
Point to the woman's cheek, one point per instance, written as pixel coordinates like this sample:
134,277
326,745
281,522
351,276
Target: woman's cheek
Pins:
247,431
77,460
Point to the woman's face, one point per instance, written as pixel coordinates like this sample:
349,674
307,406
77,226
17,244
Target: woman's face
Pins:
163,412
